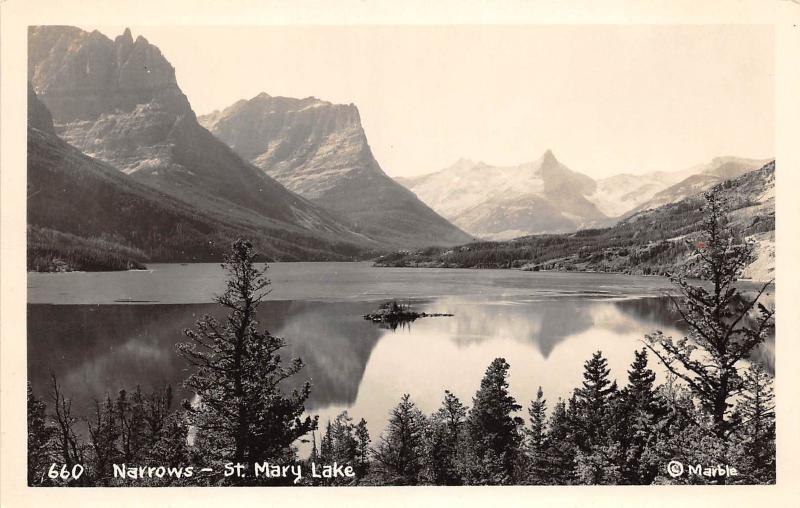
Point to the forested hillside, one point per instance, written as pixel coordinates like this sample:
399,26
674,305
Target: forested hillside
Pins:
651,242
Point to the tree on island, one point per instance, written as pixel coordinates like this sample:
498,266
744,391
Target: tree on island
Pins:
243,413
722,329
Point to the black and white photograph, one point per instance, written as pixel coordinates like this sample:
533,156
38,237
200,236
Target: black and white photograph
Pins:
400,255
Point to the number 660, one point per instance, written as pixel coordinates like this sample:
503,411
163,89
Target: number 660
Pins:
64,473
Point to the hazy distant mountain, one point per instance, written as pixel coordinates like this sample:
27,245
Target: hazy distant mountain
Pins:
118,101
652,241
501,203
701,178
84,214
619,194
505,202
320,151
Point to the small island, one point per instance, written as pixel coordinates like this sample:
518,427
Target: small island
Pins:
392,314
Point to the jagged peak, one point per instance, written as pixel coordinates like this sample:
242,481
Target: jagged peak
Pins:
549,157
126,37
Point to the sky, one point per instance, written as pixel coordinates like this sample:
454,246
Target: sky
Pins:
606,99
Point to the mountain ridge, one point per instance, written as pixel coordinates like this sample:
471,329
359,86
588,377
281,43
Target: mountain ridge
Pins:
650,242
119,102
503,202
111,221
320,150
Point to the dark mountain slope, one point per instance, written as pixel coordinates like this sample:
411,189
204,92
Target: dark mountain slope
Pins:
85,214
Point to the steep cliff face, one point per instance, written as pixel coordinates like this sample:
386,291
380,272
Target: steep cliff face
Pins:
85,214
320,151
118,101
499,203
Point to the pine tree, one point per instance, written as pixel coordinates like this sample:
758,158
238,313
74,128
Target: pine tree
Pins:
362,449
68,448
756,409
104,434
639,417
157,414
326,444
132,426
560,445
400,451
445,439
314,456
720,334
239,374
593,402
536,442
493,429
598,457
40,439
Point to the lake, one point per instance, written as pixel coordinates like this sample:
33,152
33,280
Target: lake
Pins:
100,332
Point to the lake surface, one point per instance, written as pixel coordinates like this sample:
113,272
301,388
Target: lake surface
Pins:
100,332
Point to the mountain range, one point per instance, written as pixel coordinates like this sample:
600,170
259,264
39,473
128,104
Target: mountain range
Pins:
84,214
122,171
545,196
320,151
652,241
116,104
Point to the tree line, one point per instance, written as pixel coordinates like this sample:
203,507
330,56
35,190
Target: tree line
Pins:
715,409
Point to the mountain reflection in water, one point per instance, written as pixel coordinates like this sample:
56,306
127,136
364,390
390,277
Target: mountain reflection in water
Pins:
354,364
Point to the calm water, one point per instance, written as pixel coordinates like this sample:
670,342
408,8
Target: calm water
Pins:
99,332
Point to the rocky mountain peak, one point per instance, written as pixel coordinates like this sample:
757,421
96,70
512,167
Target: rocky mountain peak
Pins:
280,134
80,75
126,38
319,150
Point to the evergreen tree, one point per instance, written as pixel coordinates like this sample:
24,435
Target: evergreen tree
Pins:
538,415
104,434
560,447
339,444
362,449
592,402
493,429
171,448
639,417
757,412
68,448
40,440
720,332
536,441
314,456
445,442
130,414
598,456
239,375
326,444
400,452
158,414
